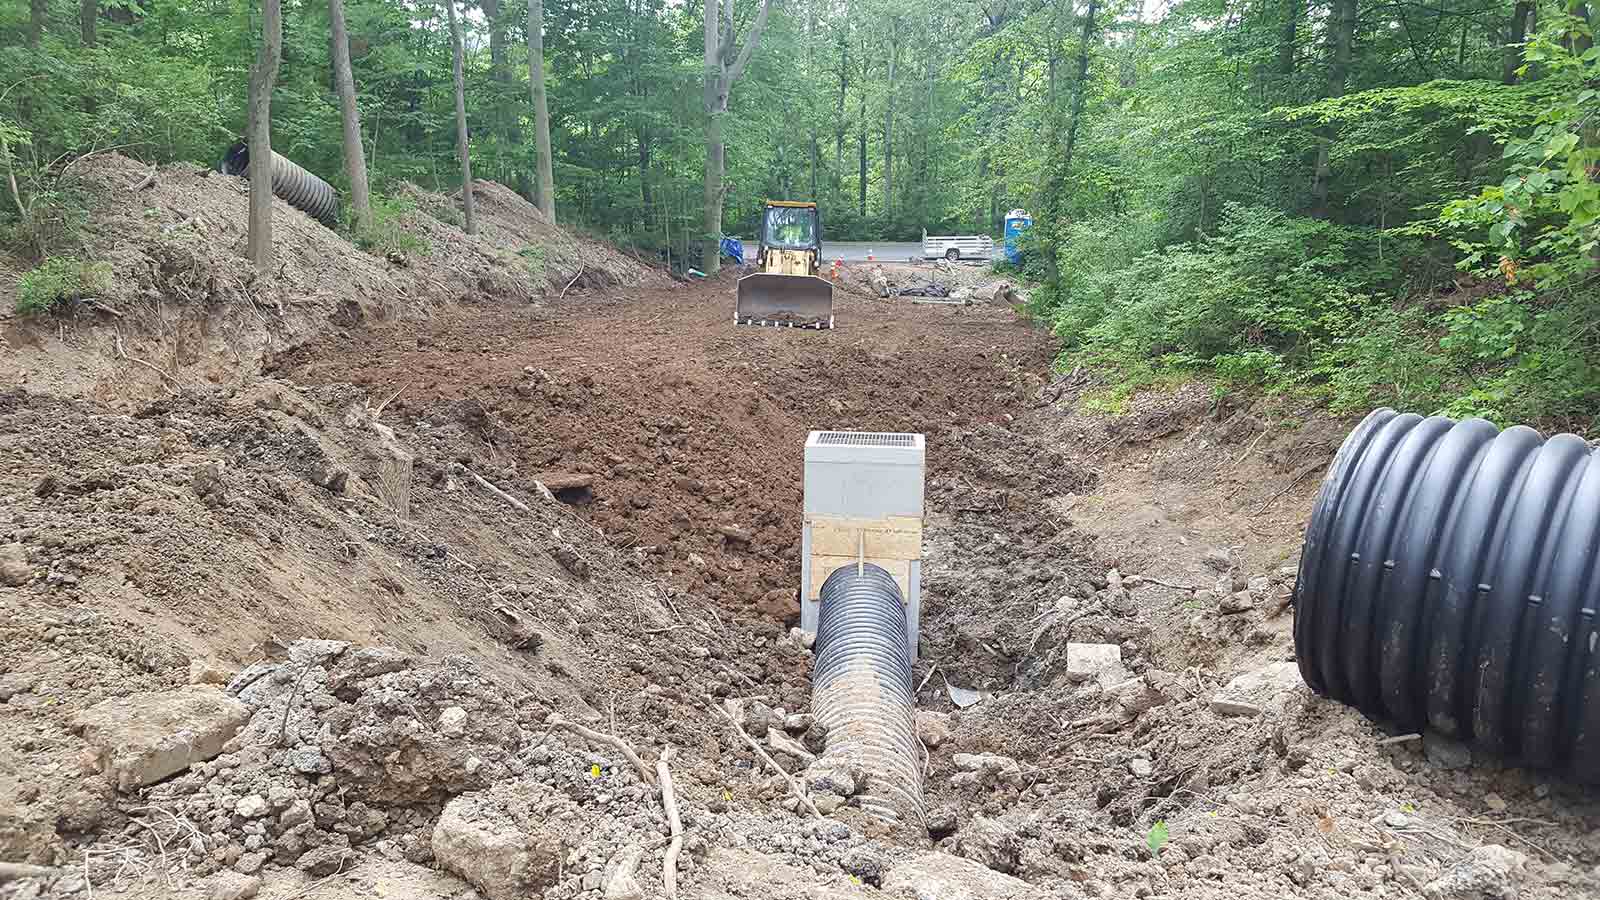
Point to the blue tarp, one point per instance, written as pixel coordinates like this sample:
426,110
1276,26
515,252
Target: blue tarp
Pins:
733,248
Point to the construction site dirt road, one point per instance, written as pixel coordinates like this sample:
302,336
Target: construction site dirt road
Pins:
416,590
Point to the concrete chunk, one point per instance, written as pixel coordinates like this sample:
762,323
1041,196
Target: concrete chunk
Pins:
940,876
1256,693
486,839
1085,661
142,738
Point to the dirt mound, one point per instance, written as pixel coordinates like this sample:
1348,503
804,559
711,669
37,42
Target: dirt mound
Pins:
187,309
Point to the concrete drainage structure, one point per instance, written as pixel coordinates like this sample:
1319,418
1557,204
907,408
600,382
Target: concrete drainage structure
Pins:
861,573
1450,580
290,183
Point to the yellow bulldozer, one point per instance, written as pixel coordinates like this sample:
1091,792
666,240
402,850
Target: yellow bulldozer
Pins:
786,290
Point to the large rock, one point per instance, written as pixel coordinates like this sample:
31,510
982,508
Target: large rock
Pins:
234,886
990,843
1490,872
940,876
621,881
142,738
494,840
14,569
1256,693
743,874
1086,661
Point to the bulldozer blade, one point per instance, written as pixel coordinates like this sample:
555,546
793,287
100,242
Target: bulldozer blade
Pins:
794,301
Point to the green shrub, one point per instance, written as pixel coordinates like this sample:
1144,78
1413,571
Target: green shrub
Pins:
533,257
60,281
387,235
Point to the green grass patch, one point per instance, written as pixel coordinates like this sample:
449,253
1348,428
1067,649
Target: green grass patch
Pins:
59,281
387,235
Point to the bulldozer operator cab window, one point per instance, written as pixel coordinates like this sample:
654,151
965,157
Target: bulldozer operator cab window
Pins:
791,228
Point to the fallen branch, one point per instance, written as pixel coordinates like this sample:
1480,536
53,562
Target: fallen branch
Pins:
484,483
555,720
794,783
669,802
1400,739
92,303
123,354
1297,479
283,725
379,411
581,265
19,871
1176,587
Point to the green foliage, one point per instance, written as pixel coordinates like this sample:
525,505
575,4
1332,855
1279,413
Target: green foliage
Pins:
59,281
387,235
533,257
1156,838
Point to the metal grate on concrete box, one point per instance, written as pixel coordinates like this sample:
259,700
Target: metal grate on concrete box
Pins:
865,439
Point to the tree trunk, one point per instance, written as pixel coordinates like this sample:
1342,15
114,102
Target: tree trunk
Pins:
88,19
888,124
1519,34
355,159
38,11
1055,215
541,109
720,75
1292,10
1077,85
839,125
462,146
263,75
1341,40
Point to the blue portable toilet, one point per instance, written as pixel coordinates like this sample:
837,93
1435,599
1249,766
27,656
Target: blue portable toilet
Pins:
1017,222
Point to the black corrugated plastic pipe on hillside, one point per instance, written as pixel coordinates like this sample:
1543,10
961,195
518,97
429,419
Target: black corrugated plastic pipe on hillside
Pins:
290,183
861,689
1449,580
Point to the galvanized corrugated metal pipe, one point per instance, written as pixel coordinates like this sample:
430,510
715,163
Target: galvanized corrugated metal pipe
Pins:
290,183
861,691
1450,579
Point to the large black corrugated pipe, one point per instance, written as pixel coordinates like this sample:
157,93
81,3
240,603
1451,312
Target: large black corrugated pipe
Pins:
290,183
1449,580
861,691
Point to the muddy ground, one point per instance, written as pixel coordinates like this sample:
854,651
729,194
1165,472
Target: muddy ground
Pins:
403,548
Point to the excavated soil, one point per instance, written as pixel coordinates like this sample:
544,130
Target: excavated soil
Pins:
404,549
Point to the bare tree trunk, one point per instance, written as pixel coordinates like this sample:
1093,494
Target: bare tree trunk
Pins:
38,11
462,146
263,75
541,109
355,158
1341,40
1292,10
839,120
888,123
88,19
720,75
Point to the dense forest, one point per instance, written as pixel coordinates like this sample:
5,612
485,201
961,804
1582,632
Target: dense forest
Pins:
1362,201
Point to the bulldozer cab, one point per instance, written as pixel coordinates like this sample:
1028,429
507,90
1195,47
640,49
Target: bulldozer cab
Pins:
785,290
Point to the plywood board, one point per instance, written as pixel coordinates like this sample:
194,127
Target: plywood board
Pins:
892,537
823,566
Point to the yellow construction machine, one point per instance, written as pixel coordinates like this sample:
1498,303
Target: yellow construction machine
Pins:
786,289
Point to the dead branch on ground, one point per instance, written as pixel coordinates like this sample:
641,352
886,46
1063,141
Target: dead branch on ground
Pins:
669,801
794,783
486,485
555,720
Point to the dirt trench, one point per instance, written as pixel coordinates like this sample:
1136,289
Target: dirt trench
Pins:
359,527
